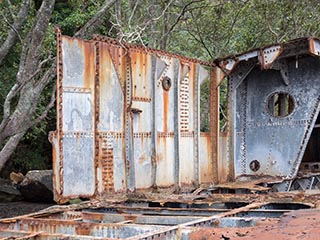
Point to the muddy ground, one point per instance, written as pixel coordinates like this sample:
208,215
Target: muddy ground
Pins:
300,224
13,209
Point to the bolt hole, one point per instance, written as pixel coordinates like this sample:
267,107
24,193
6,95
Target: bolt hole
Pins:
254,165
166,83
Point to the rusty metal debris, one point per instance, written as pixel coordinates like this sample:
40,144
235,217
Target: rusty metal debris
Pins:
155,216
129,139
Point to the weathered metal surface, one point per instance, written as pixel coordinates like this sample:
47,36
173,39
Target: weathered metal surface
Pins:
128,136
128,120
143,220
272,110
128,117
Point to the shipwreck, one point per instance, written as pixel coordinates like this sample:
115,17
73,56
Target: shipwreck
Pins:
129,142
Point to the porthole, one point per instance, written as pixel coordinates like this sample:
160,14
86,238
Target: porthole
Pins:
166,83
280,104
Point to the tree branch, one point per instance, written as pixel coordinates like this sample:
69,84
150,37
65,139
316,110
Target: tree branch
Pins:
32,44
10,9
14,30
269,26
201,41
45,112
95,20
133,11
181,14
9,148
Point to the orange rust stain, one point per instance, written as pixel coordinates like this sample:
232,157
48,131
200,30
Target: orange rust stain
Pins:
140,76
123,61
139,63
302,224
222,168
134,70
89,60
142,158
134,90
165,110
93,216
105,65
142,142
206,170
160,157
192,78
130,218
54,155
118,58
144,72
82,230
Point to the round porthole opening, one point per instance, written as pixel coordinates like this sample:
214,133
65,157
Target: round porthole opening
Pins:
280,104
166,83
254,165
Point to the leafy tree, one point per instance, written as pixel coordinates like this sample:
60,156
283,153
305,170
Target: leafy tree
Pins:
204,29
30,35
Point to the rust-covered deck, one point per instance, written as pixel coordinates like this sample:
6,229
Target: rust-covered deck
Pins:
185,216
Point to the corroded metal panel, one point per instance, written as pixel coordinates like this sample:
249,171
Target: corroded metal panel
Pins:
274,118
142,116
187,83
111,170
128,119
164,122
205,162
77,118
78,158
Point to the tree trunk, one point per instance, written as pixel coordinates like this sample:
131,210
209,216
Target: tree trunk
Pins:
9,148
14,30
29,85
14,126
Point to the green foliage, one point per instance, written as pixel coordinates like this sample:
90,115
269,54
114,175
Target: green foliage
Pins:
205,29
204,106
29,157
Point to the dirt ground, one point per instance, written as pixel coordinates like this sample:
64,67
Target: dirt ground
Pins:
13,209
300,224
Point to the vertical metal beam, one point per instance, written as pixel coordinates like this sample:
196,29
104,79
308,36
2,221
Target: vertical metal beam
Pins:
235,80
196,114
59,175
96,113
176,84
130,175
154,80
216,75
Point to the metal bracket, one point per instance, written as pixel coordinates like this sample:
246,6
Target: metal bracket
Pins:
268,55
314,46
282,66
228,65
242,72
